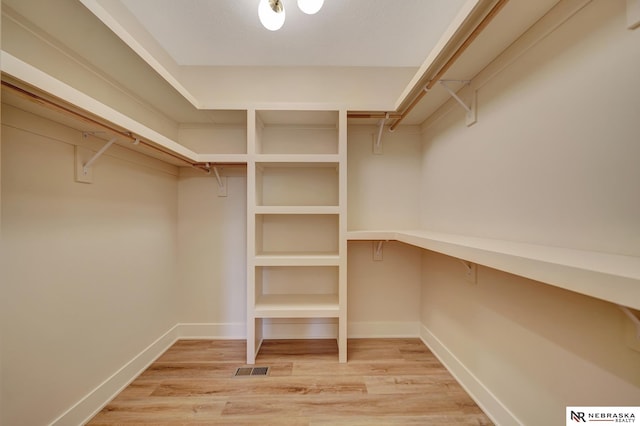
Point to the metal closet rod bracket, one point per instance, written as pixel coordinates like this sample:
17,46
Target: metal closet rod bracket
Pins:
377,146
218,177
634,319
377,249
471,116
85,166
467,265
222,182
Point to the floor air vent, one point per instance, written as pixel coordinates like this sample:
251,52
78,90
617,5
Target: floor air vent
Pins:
251,371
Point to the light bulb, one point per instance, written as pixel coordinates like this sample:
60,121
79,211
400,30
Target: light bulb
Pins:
310,7
271,14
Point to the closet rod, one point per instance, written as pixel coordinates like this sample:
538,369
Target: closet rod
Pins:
465,44
378,115
123,134
459,51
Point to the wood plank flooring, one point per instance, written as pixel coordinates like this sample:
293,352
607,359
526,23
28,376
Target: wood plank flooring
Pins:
385,382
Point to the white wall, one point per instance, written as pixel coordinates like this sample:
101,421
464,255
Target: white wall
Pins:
212,252
552,160
215,138
89,270
383,296
535,347
553,157
382,188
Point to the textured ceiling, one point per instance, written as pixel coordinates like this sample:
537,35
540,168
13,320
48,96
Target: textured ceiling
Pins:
362,33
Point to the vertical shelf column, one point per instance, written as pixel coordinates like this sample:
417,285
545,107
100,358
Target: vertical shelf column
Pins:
296,225
342,237
254,336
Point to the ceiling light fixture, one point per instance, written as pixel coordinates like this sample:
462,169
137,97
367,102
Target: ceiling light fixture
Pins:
310,7
272,14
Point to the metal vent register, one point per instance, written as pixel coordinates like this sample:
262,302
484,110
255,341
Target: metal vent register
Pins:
251,371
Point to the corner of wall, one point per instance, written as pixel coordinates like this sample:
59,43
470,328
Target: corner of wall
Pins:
485,399
94,401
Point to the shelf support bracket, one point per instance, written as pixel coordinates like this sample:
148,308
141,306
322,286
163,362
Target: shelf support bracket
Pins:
222,182
377,250
470,109
215,170
634,319
466,264
85,167
471,271
377,144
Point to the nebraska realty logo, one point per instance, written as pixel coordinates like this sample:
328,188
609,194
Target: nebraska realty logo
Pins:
577,415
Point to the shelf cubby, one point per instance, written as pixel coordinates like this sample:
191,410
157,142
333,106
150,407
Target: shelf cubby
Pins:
297,184
297,234
297,132
306,291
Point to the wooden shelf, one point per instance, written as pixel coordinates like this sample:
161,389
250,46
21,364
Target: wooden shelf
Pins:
313,160
610,277
297,259
279,161
372,235
297,210
223,158
297,306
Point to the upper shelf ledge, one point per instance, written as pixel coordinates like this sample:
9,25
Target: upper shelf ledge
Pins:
610,277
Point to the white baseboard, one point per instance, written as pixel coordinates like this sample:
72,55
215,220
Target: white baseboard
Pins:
273,329
383,329
92,403
491,405
328,329
314,328
215,331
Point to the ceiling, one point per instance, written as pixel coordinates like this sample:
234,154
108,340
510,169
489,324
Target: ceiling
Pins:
354,33
197,60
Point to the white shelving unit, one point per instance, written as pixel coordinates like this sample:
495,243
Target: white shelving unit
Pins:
296,214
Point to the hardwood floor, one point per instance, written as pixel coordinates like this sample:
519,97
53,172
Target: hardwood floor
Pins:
385,382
